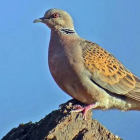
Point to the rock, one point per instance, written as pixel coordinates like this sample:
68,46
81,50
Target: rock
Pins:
61,124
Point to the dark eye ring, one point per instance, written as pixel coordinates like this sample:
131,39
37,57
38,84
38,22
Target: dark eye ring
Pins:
55,15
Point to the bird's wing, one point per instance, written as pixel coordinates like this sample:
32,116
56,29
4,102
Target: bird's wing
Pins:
108,72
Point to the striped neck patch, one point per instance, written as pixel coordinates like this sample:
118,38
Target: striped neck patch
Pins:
67,31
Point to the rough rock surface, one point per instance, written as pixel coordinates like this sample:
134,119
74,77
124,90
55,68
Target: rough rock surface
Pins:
62,125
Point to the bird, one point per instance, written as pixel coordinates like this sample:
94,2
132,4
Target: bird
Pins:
86,71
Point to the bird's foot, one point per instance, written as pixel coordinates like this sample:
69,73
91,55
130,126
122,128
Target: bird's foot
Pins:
84,110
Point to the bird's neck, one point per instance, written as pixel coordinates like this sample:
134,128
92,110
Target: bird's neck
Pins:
64,35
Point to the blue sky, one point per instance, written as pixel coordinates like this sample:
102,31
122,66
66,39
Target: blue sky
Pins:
27,90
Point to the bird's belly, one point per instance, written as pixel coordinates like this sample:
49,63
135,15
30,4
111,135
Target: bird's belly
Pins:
69,80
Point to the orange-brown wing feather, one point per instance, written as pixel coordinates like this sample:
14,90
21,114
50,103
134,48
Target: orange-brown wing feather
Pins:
108,72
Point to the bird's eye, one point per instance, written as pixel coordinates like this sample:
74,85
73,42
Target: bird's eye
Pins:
55,15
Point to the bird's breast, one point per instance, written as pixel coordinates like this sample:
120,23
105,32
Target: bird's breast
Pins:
67,68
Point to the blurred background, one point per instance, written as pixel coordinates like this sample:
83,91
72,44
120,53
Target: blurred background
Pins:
27,90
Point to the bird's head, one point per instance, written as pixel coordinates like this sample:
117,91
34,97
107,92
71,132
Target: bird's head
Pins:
56,18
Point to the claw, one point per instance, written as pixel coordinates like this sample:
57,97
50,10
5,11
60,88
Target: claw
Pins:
85,109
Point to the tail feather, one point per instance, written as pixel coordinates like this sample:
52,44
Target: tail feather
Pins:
135,93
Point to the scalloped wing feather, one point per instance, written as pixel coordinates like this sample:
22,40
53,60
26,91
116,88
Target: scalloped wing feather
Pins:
108,72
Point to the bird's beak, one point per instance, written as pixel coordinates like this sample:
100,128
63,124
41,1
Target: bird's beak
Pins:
39,20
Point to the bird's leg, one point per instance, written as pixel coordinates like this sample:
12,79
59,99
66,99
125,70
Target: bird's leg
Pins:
85,109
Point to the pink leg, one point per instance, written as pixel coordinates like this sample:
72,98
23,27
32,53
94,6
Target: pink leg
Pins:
85,109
